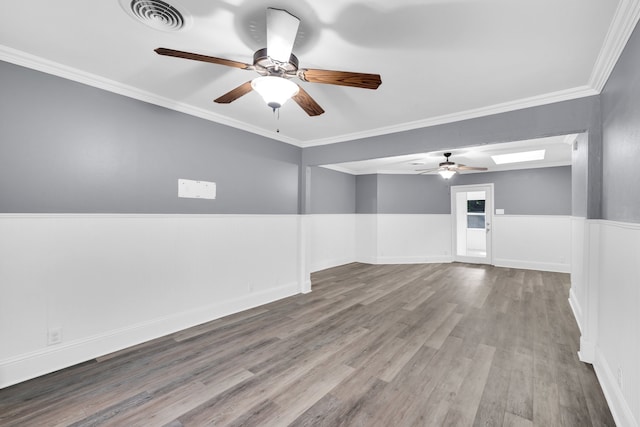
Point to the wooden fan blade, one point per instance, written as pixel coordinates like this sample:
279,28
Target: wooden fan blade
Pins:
234,94
469,168
282,29
307,103
341,78
203,58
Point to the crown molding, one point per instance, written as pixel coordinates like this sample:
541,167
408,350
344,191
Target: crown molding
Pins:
339,168
27,60
534,101
624,21
512,167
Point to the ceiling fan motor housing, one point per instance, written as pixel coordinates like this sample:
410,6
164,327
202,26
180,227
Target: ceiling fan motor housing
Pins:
268,67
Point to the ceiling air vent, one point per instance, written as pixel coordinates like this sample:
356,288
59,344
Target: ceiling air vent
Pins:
156,14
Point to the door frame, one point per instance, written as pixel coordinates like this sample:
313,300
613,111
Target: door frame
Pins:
489,206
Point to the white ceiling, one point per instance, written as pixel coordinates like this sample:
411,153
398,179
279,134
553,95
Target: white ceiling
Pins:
440,61
557,153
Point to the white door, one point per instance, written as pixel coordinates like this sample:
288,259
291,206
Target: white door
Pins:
471,218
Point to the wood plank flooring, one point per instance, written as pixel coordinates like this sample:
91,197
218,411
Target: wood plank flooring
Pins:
385,345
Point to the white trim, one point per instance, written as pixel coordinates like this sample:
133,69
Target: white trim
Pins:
532,216
413,260
591,283
530,265
307,287
330,263
575,308
622,414
339,168
30,365
534,101
367,260
618,224
624,21
24,59
587,352
304,273
137,215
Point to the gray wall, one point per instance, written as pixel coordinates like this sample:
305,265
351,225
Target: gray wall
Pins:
574,116
621,136
560,118
332,192
413,194
542,191
367,194
67,147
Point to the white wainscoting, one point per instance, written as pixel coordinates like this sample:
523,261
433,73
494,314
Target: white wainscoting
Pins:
535,242
577,294
605,296
408,239
112,281
519,241
366,238
617,341
378,239
332,240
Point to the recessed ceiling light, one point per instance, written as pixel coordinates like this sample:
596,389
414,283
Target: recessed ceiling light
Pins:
525,156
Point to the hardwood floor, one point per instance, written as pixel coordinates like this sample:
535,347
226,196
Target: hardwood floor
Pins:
392,345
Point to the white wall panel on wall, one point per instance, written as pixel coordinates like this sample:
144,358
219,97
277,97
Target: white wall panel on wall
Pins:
413,238
618,330
537,242
367,238
577,295
111,281
332,240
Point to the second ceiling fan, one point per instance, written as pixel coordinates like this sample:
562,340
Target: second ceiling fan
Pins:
277,65
448,168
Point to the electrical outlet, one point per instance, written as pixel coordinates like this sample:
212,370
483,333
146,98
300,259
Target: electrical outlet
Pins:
619,377
54,336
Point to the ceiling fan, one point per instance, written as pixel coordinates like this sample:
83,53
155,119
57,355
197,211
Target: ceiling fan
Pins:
448,168
277,65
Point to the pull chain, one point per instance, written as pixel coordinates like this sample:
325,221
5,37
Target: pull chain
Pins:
277,117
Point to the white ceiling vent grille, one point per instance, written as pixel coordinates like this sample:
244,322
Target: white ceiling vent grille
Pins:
156,14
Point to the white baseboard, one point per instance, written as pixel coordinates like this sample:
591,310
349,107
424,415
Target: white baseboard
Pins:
532,265
587,352
324,264
307,287
30,365
620,410
367,260
413,259
575,308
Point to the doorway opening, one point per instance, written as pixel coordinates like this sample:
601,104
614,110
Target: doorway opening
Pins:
471,211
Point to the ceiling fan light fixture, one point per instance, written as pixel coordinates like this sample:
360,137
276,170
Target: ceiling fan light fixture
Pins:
274,90
446,173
